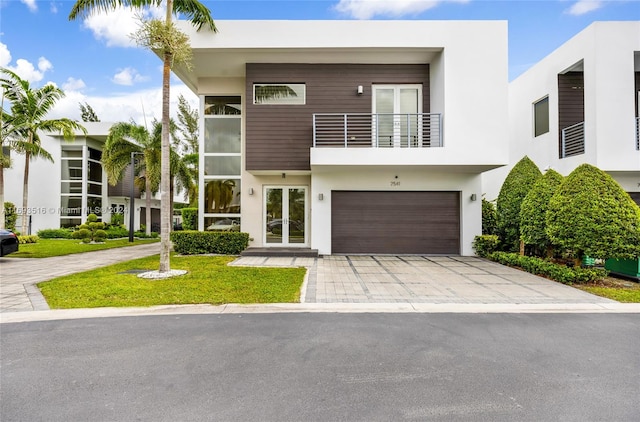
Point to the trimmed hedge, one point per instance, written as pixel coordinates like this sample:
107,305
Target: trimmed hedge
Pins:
557,272
10,216
489,217
55,233
189,219
32,238
191,242
116,232
533,210
486,244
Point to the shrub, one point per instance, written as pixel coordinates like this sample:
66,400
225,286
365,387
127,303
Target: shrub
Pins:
533,211
117,219
28,239
194,242
10,216
514,189
592,215
488,217
91,231
189,219
55,233
143,234
116,232
539,266
486,244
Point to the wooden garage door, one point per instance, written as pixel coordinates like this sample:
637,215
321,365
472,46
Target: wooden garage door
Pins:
395,222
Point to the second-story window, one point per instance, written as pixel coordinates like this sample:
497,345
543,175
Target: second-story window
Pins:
541,117
279,94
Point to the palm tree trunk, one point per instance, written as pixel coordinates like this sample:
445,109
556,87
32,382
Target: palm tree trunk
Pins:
147,198
25,193
165,218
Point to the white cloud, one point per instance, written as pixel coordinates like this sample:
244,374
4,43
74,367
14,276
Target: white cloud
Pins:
585,6
24,68
31,4
53,8
142,106
115,27
73,84
128,76
367,9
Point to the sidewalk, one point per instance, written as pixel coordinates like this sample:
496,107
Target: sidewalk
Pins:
18,276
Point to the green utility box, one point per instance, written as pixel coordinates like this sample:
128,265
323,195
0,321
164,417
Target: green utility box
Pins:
628,267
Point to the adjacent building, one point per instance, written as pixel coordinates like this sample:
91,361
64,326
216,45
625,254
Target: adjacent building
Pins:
580,104
349,136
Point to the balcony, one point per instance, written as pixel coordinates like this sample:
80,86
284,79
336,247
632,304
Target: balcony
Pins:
572,140
638,133
377,130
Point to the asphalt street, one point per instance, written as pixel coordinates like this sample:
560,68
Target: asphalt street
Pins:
323,367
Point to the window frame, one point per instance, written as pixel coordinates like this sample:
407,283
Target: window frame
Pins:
536,115
283,103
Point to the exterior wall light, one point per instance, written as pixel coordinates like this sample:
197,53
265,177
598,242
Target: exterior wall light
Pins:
250,191
473,197
320,197
360,90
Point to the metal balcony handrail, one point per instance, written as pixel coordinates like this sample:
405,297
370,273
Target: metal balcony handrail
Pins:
638,133
572,140
377,130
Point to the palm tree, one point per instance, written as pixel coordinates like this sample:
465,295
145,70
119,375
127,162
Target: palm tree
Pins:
123,140
199,16
29,107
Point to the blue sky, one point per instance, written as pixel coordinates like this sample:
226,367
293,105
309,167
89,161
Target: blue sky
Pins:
94,61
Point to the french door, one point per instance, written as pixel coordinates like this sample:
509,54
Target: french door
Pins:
285,216
397,121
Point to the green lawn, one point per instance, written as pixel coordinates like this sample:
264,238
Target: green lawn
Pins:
621,294
209,280
46,248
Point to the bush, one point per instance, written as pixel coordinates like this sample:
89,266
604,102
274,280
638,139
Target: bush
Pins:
91,231
557,272
10,216
189,219
117,219
116,232
55,234
142,234
592,215
194,242
513,191
533,211
28,239
486,244
488,217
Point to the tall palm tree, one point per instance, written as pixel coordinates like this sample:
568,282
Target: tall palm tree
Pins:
123,140
199,16
29,108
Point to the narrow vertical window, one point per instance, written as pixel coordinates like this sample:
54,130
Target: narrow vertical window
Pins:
541,116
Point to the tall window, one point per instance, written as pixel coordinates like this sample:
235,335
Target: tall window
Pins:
541,117
80,184
222,162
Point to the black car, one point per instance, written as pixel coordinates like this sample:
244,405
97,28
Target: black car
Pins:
8,242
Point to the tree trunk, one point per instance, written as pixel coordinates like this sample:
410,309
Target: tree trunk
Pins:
147,198
521,247
25,194
165,218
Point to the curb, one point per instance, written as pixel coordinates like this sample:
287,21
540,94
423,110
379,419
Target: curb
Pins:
570,308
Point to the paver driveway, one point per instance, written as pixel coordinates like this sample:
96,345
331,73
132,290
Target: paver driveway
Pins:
423,279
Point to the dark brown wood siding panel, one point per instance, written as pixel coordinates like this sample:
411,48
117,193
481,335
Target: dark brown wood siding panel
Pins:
637,90
278,137
123,187
635,196
395,222
570,102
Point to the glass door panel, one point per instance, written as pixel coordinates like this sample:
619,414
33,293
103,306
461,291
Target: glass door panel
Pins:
285,216
397,109
384,107
408,117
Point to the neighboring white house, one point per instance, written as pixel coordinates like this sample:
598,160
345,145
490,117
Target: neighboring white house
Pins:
63,192
580,104
350,136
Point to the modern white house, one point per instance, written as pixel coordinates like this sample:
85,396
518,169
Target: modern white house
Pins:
64,192
580,104
349,136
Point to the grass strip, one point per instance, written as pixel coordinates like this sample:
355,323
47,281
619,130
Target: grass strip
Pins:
46,248
209,280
